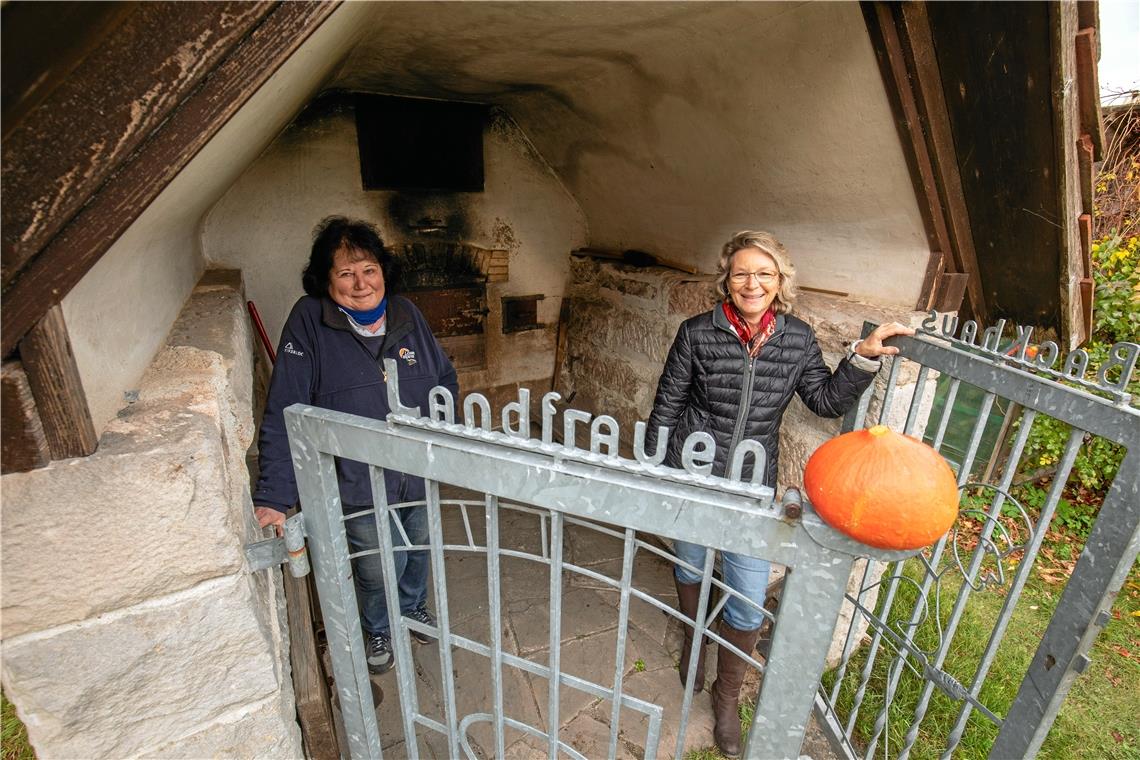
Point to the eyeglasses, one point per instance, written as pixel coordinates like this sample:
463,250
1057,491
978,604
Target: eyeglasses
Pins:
764,278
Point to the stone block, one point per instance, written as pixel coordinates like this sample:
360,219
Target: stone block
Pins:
147,515
130,680
690,298
268,730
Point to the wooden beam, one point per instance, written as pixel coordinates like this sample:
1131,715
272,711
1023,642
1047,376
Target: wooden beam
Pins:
55,384
897,84
1088,14
1085,173
309,686
1084,225
918,42
149,59
47,278
23,445
1088,91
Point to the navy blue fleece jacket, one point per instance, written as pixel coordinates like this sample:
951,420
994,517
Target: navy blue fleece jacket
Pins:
322,361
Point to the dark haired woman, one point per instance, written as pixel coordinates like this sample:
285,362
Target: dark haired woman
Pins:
331,355
732,372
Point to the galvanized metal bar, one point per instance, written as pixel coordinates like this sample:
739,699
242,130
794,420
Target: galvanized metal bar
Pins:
1082,610
1024,568
320,499
849,639
699,514
384,516
916,400
964,591
443,615
892,383
700,624
495,615
630,551
808,610
466,524
947,410
872,654
555,645
1119,423
855,417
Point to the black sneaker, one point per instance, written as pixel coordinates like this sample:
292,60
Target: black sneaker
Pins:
380,659
421,615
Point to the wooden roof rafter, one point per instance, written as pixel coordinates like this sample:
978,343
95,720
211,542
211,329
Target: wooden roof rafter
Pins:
91,151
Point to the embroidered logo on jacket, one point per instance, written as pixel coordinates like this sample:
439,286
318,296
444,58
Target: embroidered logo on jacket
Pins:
408,355
290,350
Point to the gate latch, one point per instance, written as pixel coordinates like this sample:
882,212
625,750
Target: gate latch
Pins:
265,554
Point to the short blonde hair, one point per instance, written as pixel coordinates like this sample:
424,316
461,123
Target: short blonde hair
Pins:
767,243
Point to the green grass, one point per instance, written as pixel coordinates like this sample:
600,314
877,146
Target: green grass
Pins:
1098,718
13,735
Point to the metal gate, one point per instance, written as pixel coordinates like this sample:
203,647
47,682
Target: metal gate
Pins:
592,487
910,640
567,486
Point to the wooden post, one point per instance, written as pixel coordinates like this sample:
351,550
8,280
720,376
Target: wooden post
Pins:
54,380
24,446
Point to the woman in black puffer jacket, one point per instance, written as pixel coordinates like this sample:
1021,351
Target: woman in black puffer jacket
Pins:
732,372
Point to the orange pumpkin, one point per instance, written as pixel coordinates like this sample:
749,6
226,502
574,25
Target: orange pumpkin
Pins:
883,489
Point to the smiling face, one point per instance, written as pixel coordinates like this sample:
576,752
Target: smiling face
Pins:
753,281
356,280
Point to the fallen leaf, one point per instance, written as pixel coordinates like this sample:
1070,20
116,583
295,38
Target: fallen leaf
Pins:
1117,736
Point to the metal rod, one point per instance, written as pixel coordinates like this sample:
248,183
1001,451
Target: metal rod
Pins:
384,515
623,625
495,615
552,709
443,615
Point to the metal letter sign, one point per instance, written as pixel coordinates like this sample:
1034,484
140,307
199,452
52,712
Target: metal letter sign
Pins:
583,484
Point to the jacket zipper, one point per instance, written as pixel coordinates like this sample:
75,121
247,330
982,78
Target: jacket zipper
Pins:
745,403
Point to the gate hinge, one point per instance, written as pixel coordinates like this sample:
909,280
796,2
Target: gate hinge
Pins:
261,555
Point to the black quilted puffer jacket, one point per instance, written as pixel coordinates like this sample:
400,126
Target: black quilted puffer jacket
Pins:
709,383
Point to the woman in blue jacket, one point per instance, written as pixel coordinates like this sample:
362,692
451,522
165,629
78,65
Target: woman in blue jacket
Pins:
331,355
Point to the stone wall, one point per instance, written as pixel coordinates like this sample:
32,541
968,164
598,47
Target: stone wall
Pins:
130,624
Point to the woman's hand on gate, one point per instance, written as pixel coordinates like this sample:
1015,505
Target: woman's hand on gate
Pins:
267,516
872,346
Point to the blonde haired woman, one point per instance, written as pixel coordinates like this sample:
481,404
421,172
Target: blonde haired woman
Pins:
732,372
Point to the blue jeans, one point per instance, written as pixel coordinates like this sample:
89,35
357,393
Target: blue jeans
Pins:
411,566
747,576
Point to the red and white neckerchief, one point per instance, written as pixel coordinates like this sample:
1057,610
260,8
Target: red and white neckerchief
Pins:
753,340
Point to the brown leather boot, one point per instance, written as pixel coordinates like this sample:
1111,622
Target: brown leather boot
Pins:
726,688
688,595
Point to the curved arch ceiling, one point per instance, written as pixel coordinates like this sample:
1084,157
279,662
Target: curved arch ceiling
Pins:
676,124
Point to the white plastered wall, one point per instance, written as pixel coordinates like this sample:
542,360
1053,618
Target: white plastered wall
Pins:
264,223
120,312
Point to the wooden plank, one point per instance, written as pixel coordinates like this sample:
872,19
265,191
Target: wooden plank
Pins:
1088,14
1086,175
58,391
918,40
1087,289
23,445
995,63
949,290
310,689
1084,225
1088,90
893,69
130,81
71,254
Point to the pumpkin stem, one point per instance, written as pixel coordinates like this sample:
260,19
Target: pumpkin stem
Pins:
878,430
